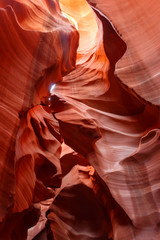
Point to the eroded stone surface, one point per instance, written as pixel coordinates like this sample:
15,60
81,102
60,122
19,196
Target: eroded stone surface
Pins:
84,162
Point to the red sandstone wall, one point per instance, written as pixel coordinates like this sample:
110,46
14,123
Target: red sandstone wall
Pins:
81,162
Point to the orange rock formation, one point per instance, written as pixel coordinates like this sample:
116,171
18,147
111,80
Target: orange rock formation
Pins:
79,123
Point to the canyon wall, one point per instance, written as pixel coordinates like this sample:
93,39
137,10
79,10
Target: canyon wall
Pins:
79,89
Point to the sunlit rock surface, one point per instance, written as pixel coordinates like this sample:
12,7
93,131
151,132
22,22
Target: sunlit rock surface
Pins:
81,162
137,22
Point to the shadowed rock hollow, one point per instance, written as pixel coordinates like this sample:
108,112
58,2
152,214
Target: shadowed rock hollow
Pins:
79,122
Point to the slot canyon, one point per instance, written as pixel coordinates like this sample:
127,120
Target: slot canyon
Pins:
79,120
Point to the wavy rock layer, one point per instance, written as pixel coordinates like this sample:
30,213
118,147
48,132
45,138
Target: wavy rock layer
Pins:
103,183
137,23
30,37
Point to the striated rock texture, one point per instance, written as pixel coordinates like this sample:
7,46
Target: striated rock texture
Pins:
33,39
137,24
80,158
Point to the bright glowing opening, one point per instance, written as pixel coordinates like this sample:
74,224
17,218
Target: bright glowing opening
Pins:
52,88
71,19
82,16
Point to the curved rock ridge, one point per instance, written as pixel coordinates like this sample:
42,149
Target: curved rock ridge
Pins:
38,148
138,24
80,158
31,51
80,187
129,127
